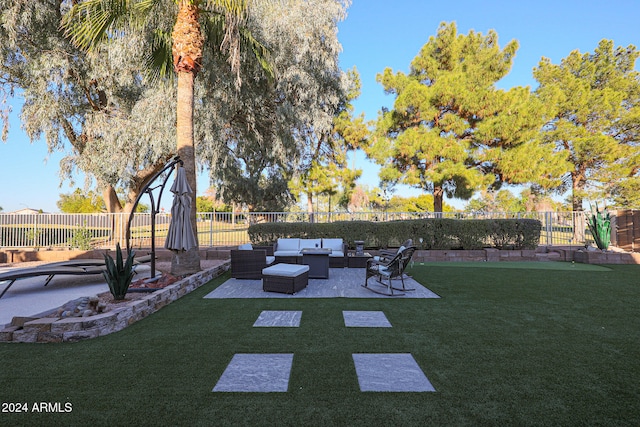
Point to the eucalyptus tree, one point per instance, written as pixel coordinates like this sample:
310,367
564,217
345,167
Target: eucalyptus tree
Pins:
91,23
270,134
111,122
594,100
450,130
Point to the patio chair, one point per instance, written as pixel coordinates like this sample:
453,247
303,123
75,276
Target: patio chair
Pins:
388,254
249,263
393,269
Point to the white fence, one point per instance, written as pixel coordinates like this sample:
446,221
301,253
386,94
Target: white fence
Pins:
87,231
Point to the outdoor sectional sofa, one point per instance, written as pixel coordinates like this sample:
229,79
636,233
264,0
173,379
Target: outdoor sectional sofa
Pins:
290,250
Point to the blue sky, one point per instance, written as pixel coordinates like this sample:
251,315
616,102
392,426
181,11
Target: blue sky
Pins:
379,34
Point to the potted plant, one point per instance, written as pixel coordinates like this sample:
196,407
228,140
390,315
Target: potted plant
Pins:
118,273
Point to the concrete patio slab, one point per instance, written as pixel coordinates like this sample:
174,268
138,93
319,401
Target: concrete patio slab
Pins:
29,297
262,373
365,319
390,372
342,283
282,319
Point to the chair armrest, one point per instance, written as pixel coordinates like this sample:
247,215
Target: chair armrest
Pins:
268,249
372,262
388,252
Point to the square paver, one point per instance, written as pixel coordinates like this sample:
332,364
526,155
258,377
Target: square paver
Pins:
287,319
398,372
256,373
365,319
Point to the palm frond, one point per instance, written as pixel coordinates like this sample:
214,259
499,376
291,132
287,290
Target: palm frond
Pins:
260,52
93,21
160,59
214,28
233,7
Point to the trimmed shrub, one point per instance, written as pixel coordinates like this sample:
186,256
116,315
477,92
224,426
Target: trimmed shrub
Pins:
436,233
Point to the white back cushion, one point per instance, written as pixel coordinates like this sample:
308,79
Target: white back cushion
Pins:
310,243
288,244
333,244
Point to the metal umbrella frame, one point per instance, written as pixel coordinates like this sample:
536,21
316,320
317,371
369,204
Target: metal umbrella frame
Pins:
148,189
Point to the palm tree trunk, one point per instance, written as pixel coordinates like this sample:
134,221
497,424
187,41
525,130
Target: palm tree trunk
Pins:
187,262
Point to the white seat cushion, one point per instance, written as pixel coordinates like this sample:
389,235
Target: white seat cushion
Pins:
333,244
285,270
384,271
288,245
310,243
336,254
270,260
245,247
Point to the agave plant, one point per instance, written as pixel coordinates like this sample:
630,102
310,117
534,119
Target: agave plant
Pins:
118,274
600,227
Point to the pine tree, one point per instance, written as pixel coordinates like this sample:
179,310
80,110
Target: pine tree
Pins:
594,99
451,131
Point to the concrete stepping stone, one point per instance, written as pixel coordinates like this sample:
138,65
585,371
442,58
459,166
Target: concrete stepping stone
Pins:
365,319
395,372
263,373
286,319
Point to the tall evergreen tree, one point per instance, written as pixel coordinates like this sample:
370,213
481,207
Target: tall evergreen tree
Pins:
594,101
451,131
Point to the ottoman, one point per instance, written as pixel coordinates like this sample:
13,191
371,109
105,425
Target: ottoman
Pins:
285,278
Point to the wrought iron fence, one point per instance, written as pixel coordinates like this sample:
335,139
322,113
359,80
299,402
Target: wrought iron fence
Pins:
99,231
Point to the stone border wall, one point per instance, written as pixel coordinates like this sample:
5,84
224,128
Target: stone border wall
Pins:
543,253
71,329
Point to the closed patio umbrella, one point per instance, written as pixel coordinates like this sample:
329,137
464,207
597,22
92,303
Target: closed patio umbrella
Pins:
180,236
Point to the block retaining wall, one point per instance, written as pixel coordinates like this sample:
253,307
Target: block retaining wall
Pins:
71,329
548,253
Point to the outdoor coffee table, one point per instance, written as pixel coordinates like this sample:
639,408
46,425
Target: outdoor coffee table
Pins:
318,261
358,261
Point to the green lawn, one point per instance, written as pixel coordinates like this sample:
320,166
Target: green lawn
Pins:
503,346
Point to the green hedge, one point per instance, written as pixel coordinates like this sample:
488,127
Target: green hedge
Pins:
436,233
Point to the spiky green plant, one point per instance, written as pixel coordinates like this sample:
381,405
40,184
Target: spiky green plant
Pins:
600,227
118,274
